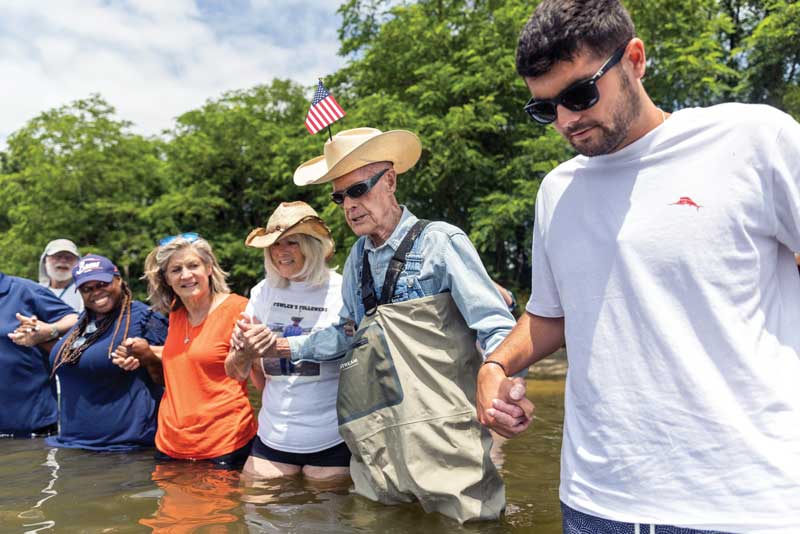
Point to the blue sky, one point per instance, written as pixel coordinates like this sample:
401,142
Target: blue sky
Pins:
155,59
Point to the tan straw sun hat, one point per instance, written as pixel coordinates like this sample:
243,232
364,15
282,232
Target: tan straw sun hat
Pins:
288,219
352,149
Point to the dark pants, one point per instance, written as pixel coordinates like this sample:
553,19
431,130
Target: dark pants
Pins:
233,460
575,522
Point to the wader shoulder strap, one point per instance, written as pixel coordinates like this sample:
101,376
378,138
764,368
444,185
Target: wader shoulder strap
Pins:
396,266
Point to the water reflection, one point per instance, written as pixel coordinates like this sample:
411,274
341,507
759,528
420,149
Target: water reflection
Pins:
47,490
194,495
35,512
286,504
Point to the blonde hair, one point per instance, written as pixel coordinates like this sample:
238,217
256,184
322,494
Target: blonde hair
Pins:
159,292
314,270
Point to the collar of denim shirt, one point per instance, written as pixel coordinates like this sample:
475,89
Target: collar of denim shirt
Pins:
407,220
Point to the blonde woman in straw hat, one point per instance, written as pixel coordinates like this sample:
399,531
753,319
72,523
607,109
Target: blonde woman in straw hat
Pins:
297,425
422,298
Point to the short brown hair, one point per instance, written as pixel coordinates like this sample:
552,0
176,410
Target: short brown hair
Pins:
558,30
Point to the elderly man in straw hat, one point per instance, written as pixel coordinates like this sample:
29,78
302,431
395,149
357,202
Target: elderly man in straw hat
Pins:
420,295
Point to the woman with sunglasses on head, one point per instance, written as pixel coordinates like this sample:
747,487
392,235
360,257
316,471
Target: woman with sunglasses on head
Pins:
298,427
204,415
105,407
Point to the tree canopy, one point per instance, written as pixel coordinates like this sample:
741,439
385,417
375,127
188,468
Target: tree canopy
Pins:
441,68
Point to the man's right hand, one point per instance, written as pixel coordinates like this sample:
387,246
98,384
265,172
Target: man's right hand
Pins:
501,402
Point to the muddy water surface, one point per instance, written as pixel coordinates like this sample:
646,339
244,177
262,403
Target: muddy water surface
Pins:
61,490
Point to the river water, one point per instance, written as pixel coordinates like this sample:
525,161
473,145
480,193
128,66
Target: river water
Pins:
62,490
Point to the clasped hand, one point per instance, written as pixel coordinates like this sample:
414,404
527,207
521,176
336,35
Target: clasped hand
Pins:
501,402
253,339
30,331
129,354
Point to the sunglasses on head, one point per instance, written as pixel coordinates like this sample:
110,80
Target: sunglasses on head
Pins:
579,96
191,237
358,189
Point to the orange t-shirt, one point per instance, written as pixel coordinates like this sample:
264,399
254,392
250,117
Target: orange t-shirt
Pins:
204,413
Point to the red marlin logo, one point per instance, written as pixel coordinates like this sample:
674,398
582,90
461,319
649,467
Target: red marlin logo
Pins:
686,201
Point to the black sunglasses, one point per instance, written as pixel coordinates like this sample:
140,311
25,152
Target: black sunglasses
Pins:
358,189
579,96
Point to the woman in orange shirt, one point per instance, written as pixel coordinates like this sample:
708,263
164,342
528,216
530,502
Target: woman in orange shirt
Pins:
204,414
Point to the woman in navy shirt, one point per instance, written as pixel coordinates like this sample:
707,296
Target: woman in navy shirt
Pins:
103,406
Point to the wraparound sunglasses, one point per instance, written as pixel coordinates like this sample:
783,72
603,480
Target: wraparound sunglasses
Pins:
358,189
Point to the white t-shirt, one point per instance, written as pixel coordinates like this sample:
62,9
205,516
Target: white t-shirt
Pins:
298,405
69,295
671,262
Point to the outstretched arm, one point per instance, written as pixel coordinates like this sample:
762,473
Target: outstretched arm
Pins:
33,331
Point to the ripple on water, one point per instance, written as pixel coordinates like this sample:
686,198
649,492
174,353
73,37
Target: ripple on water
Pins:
63,490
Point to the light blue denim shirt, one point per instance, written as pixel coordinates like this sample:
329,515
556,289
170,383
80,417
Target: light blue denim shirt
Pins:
442,259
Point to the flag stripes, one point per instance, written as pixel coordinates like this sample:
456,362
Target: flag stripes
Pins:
324,110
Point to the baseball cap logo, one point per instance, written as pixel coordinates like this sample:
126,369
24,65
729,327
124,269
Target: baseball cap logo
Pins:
686,201
88,266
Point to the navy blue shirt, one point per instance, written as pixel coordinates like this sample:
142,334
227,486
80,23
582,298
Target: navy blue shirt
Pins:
27,395
104,407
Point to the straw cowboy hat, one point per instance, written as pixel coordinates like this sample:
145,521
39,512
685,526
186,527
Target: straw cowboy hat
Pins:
352,149
288,219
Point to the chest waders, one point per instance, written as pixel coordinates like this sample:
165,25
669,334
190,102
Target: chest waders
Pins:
406,404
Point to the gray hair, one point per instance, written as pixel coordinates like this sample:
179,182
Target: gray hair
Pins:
314,270
160,294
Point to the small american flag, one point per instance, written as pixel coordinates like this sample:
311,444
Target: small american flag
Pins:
324,110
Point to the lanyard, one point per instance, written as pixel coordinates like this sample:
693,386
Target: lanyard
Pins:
65,289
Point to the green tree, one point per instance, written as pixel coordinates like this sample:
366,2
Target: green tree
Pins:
77,172
445,70
772,75
230,164
691,48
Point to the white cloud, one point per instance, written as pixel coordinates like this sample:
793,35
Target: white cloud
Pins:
155,59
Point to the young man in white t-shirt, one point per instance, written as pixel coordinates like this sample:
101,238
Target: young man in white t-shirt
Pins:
662,258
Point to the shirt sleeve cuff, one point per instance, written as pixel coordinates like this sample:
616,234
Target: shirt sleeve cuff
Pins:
542,310
297,347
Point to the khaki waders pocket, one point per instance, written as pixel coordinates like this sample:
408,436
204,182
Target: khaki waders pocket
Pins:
372,382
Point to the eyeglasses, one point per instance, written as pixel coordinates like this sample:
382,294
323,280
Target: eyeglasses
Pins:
191,237
358,189
86,289
579,96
